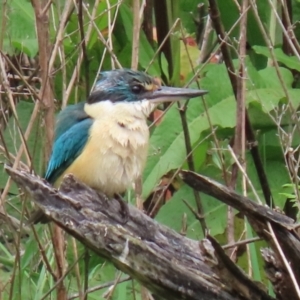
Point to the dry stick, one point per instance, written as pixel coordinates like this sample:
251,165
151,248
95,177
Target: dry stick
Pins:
239,136
61,280
86,272
194,78
292,168
16,162
83,47
110,30
23,137
108,46
220,42
190,161
102,39
286,13
286,263
286,34
69,5
288,152
5,150
280,251
186,136
5,84
177,172
271,48
25,80
76,268
284,259
289,26
188,145
148,21
245,175
87,91
194,212
215,16
46,94
137,12
205,51
135,34
44,255
134,65
87,37
242,242
20,151
108,295
80,57
100,287
5,191
109,39
162,44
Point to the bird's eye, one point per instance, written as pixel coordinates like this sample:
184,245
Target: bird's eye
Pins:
137,89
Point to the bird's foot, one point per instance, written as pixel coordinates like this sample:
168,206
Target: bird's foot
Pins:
124,208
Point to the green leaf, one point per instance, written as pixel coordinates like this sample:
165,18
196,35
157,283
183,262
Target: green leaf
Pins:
168,150
19,33
292,62
172,212
270,77
269,98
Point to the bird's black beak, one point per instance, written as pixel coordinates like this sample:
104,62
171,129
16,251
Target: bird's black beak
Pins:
171,94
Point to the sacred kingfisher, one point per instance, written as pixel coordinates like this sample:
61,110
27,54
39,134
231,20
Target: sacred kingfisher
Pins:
104,141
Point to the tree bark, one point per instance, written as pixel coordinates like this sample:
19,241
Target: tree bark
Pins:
170,265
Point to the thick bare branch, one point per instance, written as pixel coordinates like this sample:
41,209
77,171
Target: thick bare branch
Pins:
275,228
168,264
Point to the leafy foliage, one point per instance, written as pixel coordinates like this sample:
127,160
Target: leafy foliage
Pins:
18,28
272,100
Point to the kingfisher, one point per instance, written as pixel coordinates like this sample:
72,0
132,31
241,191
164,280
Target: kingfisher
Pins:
104,141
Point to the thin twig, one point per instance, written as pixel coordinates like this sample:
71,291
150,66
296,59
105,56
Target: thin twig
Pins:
215,16
284,259
86,272
83,47
135,34
100,287
243,242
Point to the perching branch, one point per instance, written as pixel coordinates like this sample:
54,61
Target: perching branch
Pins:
275,228
168,264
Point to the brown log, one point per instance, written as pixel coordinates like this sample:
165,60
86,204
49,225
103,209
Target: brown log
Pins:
168,264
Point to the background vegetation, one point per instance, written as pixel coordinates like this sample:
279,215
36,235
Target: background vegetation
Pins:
249,58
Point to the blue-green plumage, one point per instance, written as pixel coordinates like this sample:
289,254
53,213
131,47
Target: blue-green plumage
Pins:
67,147
68,117
121,85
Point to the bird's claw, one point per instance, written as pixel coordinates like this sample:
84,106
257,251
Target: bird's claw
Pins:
124,209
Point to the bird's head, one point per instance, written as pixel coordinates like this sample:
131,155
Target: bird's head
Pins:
135,87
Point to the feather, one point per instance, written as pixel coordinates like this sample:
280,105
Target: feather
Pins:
67,148
68,117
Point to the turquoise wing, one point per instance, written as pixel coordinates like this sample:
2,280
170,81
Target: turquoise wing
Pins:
69,117
68,145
